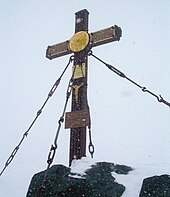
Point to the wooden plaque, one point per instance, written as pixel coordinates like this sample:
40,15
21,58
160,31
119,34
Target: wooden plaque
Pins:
76,119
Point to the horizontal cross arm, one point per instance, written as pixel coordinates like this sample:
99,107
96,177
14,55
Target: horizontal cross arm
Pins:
105,36
58,50
96,38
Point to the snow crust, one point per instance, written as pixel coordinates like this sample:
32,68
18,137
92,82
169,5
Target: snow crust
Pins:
132,181
78,20
81,165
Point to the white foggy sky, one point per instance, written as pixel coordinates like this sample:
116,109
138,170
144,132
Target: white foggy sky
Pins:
128,126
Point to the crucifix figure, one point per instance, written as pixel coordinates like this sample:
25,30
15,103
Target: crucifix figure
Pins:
80,44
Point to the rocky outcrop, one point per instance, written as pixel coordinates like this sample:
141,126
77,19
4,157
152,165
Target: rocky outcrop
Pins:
156,186
96,181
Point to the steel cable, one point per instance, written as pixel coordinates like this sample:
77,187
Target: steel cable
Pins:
121,74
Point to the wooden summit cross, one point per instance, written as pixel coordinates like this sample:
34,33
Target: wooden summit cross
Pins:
80,44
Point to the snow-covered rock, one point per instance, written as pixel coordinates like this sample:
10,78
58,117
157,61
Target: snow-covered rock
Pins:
89,178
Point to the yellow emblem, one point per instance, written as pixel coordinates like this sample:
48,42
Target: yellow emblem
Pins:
79,71
79,41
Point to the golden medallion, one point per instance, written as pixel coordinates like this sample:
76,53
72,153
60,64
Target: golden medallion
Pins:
79,41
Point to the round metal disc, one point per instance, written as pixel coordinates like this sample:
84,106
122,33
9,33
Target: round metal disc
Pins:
79,41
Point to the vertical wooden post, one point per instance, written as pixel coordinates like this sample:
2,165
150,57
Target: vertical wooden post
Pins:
79,96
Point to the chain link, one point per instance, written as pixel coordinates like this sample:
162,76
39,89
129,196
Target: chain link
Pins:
121,74
54,87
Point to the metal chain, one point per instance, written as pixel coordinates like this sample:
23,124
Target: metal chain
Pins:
54,87
91,146
54,146
121,74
